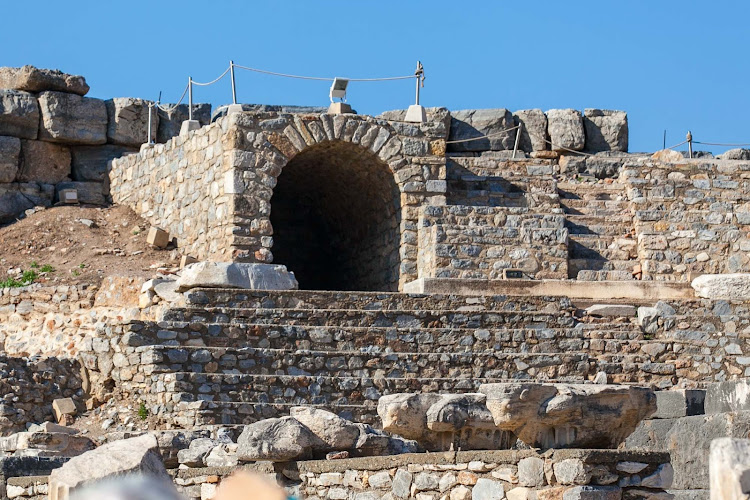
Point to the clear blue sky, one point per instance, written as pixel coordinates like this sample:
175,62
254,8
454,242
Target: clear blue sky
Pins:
674,65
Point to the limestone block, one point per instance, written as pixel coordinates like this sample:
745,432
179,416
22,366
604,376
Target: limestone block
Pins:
90,163
565,129
236,275
157,237
406,414
568,415
10,150
611,310
88,193
19,114
171,121
668,156
679,403
62,407
736,154
723,286
195,454
128,121
474,123
275,439
531,472
337,433
72,119
606,130
32,79
139,455
729,469
729,396
534,129
44,162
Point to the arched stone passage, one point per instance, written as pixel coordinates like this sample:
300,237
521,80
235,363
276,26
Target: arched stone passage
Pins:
336,217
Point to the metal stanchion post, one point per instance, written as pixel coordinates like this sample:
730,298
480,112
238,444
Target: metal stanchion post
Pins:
690,143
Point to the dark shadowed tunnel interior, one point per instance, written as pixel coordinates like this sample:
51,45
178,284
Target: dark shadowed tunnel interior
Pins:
336,215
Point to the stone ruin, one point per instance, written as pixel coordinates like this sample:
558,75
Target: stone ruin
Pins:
379,308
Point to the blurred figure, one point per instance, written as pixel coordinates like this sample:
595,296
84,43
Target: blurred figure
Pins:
133,487
247,486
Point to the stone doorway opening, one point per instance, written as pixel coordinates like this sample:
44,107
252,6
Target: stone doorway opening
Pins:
336,216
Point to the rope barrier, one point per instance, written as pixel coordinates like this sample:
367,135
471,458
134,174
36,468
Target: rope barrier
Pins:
214,80
172,108
721,144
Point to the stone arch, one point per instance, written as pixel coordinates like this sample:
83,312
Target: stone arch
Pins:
336,215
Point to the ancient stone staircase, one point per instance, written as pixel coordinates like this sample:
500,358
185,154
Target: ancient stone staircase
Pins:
234,356
600,228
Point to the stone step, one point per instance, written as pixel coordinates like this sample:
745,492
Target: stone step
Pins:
588,246
603,228
589,275
575,265
399,340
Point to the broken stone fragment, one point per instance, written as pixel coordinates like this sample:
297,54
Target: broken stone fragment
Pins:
63,408
32,79
236,275
335,432
569,415
157,237
276,439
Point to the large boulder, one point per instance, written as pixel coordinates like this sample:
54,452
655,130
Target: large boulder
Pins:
44,162
236,275
276,439
171,120
534,130
33,79
722,286
128,121
90,163
606,130
19,114
736,154
729,469
475,123
10,150
72,119
569,415
138,455
335,432
565,129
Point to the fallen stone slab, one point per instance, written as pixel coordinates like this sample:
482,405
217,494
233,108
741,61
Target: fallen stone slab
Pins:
32,79
565,129
275,439
729,469
611,310
19,114
606,130
236,275
10,150
722,286
475,123
90,163
568,415
128,121
72,119
679,403
138,455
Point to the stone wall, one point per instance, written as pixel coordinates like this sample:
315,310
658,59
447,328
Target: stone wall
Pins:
480,242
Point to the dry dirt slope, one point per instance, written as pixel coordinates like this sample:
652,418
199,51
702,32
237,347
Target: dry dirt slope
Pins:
81,244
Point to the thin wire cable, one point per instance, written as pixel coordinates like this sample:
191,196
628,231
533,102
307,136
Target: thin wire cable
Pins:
502,132
720,144
169,109
214,80
301,77
677,145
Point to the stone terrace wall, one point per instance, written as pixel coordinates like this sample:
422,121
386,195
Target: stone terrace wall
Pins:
691,218
460,476
180,186
480,242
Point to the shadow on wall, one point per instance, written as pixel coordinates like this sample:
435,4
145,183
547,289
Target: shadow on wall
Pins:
336,219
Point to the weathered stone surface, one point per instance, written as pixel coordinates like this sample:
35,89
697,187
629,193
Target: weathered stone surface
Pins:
668,156
679,403
63,407
729,396
128,121
335,432
195,454
487,489
571,471
606,130
474,123
569,415
171,121
534,129
19,114
48,444
736,154
593,493
236,275
611,310
32,79
729,469
90,162
16,198
531,472
89,193
137,455
275,439
565,129
44,162
688,441
723,286
373,442
406,414
10,149
72,119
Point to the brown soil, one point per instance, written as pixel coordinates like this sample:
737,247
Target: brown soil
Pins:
114,245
